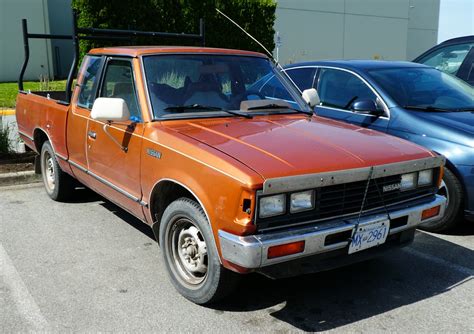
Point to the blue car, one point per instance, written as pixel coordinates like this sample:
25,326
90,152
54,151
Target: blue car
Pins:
408,100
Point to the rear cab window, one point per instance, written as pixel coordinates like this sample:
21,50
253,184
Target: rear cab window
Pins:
90,73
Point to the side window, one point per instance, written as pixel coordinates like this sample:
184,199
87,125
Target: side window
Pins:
339,89
303,77
89,82
448,59
118,82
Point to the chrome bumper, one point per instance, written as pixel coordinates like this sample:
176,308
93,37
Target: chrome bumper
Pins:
251,251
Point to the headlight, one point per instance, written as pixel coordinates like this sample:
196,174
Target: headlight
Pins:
408,181
425,177
302,201
272,206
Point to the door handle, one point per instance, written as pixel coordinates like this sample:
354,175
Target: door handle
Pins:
92,134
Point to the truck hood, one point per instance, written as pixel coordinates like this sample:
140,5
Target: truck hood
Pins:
284,145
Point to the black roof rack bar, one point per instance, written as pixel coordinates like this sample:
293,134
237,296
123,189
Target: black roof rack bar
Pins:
95,34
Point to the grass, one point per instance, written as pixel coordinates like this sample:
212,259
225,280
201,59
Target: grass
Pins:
9,90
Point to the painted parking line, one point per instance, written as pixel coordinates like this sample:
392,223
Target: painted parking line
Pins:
7,112
453,266
22,298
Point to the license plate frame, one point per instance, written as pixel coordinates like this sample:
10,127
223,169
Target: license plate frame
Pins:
369,235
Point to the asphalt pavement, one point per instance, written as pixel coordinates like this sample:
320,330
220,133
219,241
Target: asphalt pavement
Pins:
89,266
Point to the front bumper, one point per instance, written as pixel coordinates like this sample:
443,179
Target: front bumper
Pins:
251,251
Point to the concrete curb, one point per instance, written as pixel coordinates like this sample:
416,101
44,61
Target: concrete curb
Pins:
7,112
16,178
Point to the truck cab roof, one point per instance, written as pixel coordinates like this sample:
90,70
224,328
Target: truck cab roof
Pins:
136,51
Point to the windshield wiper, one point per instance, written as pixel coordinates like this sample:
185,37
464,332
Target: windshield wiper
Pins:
279,106
205,108
428,108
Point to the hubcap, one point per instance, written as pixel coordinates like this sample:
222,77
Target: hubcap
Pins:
189,251
48,171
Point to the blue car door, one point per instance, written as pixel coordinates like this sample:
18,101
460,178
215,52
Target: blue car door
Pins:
338,89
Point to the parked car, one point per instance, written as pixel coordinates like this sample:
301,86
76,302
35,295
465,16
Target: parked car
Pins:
454,56
407,100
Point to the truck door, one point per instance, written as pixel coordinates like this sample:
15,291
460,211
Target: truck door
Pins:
85,93
113,151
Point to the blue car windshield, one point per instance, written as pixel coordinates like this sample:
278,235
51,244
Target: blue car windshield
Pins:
207,85
424,88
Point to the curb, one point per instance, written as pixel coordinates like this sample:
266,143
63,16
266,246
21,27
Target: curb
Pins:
16,178
7,112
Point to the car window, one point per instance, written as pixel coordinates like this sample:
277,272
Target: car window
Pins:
340,89
303,77
449,58
424,87
118,82
89,81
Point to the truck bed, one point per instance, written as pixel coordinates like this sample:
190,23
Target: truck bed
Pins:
41,114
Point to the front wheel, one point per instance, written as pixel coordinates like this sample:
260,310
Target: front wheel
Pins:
190,254
58,185
451,189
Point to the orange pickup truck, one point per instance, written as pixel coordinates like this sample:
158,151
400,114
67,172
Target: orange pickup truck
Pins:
230,181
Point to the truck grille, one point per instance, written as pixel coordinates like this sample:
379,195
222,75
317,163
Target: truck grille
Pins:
346,199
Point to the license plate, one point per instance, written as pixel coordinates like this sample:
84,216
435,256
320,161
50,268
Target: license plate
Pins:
369,235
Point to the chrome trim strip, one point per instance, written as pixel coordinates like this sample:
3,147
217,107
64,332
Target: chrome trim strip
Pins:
317,180
108,183
250,251
61,157
25,135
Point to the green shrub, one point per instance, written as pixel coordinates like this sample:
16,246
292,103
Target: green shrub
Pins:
256,16
4,140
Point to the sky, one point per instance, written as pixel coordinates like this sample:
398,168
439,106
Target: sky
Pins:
456,18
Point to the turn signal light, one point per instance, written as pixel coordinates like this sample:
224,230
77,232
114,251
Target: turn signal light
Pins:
285,249
429,213
441,174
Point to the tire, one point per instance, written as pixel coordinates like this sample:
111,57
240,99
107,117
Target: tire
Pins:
195,271
58,185
451,188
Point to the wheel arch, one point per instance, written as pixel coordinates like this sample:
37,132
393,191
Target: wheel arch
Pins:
39,138
163,193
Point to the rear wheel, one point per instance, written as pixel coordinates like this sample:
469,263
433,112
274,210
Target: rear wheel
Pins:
190,254
450,188
58,185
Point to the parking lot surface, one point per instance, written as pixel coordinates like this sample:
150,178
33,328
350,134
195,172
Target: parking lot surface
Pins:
90,266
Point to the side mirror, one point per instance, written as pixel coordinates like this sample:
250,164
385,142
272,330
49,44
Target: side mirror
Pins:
311,97
367,107
109,109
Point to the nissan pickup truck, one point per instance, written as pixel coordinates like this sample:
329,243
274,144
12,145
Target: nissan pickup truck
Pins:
230,181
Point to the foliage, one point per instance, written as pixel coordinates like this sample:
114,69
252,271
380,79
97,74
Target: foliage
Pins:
256,16
9,90
4,140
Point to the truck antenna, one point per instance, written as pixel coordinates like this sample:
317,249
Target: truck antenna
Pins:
263,47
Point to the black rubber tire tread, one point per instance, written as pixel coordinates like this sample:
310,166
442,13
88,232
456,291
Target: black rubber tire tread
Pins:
220,281
64,183
453,214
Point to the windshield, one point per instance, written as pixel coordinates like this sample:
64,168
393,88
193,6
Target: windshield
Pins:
197,85
424,87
